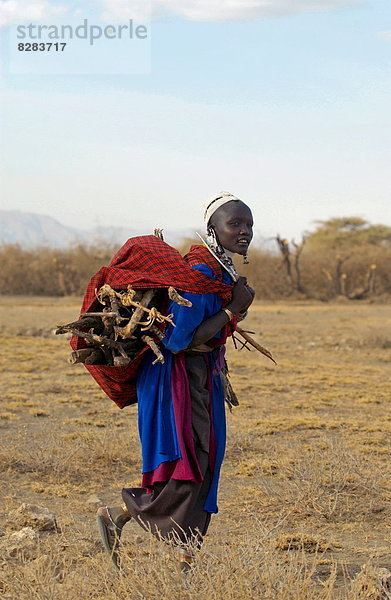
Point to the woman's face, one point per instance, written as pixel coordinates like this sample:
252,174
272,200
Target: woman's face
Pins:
233,224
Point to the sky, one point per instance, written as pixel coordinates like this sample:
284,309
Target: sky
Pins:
284,103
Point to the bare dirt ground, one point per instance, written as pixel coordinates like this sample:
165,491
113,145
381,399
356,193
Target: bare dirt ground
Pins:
305,492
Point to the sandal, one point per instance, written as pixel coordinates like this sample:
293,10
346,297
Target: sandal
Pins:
185,559
110,533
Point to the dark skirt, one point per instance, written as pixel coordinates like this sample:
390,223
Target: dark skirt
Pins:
174,510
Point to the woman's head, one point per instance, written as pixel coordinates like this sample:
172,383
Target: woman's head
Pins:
232,221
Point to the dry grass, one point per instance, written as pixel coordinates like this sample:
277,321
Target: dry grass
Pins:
305,493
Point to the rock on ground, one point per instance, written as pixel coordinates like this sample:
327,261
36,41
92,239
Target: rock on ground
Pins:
94,501
36,517
373,583
23,542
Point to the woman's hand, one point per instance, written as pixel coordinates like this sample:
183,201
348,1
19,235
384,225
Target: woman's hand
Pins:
242,296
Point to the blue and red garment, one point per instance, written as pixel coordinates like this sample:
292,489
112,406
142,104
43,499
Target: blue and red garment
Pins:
164,402
162,390
146,262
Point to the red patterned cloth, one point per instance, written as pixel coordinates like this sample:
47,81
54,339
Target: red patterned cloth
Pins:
199,255
147,262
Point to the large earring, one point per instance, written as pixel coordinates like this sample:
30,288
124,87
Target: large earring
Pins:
245,260
211,238
213,241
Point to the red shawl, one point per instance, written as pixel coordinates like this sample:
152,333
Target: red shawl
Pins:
147,262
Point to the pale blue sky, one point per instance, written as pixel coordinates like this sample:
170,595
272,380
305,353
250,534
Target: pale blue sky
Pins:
289,112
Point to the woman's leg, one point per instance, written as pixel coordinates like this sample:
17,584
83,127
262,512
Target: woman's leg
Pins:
111,520
174,511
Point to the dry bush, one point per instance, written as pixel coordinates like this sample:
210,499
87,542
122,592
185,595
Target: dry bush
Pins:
319,271
328,479
52,272
69,458
257,568
250,571
304,493
267,273
372,583
48,271
323,482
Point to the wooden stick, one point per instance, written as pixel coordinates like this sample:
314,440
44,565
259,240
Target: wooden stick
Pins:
175,297
100,340
155,315
115,307
120,361
87,356
79,356
84,323
106,290
127,300
126,332
152,312
96,358
98,314
255,344
108,323
149,341
156,331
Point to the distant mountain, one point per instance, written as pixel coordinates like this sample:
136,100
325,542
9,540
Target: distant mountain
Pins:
31,230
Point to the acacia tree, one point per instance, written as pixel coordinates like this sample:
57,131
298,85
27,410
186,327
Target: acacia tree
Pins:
345,233
346,251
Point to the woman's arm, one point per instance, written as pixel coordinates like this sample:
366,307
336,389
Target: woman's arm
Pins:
242,298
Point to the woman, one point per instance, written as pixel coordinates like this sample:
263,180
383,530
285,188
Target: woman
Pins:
181,402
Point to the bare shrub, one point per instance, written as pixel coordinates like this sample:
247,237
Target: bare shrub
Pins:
326,480
48,271
323,481
250,571
51,272
66,459
266,273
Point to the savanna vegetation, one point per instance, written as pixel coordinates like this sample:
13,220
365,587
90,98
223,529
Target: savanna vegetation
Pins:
343,257
305,493
305,496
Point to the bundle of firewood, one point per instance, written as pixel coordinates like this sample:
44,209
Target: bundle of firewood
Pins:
128,321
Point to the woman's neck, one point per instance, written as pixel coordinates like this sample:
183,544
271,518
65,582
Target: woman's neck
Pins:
229,253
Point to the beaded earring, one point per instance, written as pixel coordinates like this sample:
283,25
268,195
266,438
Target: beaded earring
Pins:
212,240
218,252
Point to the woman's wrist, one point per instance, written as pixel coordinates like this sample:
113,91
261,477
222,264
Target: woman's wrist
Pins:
229,313
232,308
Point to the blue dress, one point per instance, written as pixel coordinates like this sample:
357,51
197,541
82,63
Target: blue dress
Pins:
156,419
